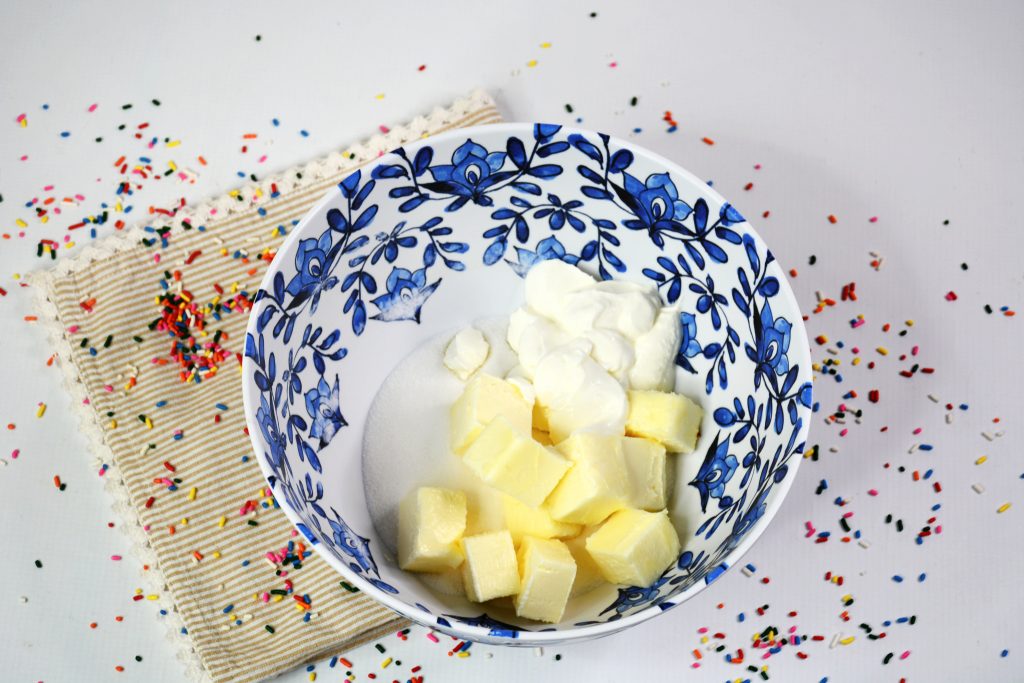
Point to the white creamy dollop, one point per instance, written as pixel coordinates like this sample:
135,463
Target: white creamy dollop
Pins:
466,352
582,343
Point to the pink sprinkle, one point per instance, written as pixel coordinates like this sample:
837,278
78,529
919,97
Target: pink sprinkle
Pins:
265,597
432,638
938,529
792,629
872,492
73,329
47,188
844,432
86,401
15,453
115,558
92,108
262,159
857,324
156,258
913,351
80,197
917,431
383,129
23,157
21,117
757,167
613,64
766,655
873,219
905,654
108,388
855,349
702,630
951,296
145,527
847,515
695,665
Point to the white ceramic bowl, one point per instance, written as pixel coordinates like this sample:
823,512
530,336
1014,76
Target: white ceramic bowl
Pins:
436,235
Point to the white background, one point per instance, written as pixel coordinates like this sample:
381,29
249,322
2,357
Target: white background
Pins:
909,111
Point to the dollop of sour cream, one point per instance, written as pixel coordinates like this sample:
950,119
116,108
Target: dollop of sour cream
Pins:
584,343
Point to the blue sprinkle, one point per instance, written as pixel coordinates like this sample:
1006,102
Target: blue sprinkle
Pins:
45,107
751,568
304,133
963,406
840,345
928,474
161,404
239,174
902,620
897,578
245,563
184,631
245,458
275,122
856,534
220,406
163,613
310,668
261,211
145,160
228,608
816,407
925,447
741,617
65,133
308,615
638,130
921,577
334,661
936,506
1004,653
919,540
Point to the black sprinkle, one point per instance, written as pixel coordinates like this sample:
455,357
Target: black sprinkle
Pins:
39,564
812,260
888,519
899,525
99,139
258,38
126,106
945,222
568,108
121,127
138,658
885,660
963,266
633,101
156,103
988,309
380,648
558,658
593,15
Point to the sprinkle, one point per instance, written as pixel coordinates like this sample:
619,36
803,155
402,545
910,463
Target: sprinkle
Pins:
1003,508
832,219
707,141
42,410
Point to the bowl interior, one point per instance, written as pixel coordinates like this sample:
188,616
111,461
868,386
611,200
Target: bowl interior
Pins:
438,235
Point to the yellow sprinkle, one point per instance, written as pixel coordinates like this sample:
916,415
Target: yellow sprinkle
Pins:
20,223
380,96
44,219
545,45
909,323
386,663
223,252
816,367
152,597
847,640
216,555
192,493
67,245
532,63
222,521
173,166
278,598
24,123
184,521
138,591
113,424
149,423
312,675
882,350
174,143
1003,508
463,654
981,460
42,410
855,361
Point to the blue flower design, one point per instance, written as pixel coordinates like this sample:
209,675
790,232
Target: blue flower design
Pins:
312,270
323,405
471,172
689,347
273,436
558,214
407,291
772,336
656,204
746,521
715,472
634,596
353,545
548,249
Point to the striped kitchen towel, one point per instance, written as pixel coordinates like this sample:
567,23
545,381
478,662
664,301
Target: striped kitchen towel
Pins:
148,326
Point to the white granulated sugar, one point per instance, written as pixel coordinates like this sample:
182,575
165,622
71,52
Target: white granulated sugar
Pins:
405,443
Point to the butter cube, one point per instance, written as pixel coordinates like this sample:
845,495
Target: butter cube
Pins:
491,569
547,570
671,419
540,418
523,520
543,438
596,485
510,461
645,463
634,546
430,523
588,574
484,398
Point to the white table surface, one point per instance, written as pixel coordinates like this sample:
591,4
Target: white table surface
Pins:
912,112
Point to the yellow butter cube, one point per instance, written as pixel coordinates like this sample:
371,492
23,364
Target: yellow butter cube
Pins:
510,461
547,571
484,398
648,481
430,523
523,520
588,574
634,546
491,569
596,485
543,438
670,419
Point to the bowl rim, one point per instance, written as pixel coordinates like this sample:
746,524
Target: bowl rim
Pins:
480,633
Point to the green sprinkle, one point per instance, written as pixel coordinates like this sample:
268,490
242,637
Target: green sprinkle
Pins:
270,629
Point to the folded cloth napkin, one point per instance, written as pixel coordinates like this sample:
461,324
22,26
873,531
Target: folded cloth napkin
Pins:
148,326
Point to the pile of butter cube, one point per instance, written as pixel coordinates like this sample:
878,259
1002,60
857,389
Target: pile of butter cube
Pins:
580,509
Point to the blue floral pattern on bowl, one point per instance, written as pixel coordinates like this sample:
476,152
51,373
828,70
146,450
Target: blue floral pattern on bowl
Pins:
466,213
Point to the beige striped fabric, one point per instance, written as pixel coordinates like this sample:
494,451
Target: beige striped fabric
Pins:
178,455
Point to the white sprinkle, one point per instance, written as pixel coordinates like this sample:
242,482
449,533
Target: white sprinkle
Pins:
912,448
833,449
949,418
999,434
978,488
225,627
933,398
834,352
538,652
864,544
23,599
746,571
835,641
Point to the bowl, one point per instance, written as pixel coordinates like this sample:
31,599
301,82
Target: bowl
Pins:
432,237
